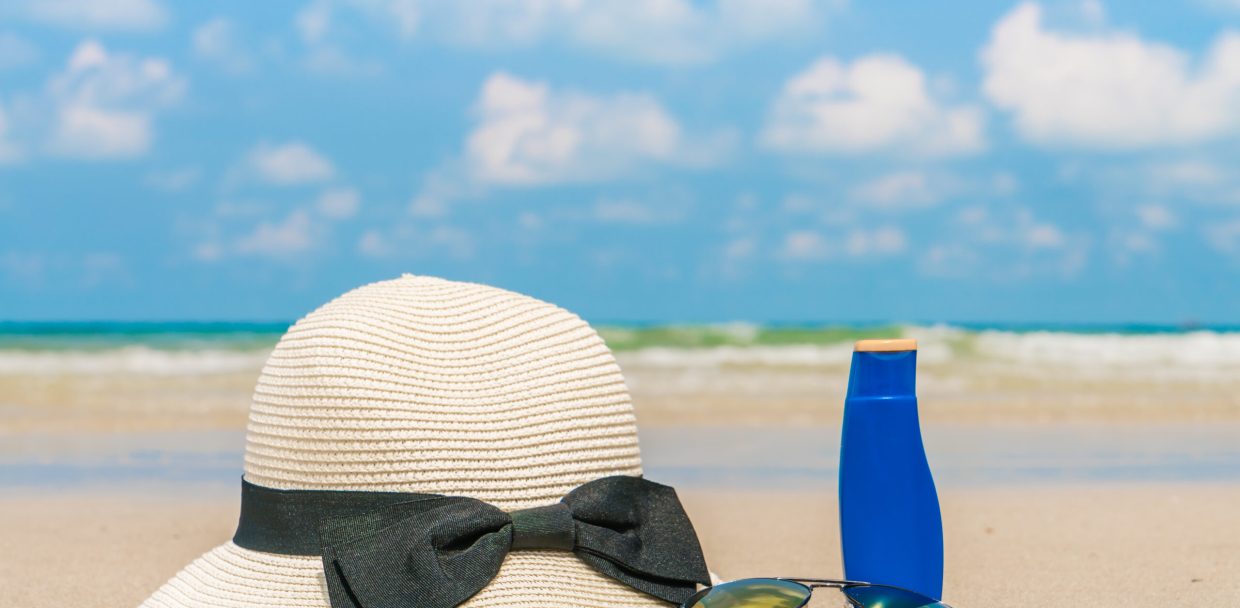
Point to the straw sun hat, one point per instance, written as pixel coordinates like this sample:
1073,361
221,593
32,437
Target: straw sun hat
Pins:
424,385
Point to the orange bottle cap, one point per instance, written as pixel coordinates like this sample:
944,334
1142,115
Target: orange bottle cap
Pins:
885,346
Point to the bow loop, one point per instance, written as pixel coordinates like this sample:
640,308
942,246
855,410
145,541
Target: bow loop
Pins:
438,551
414,553
636,531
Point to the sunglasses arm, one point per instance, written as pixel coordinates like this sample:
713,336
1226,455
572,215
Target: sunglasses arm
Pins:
818,583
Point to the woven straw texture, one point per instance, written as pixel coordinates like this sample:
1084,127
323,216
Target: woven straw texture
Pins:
420,384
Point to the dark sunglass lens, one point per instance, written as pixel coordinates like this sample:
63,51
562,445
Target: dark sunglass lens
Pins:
878,596
752,593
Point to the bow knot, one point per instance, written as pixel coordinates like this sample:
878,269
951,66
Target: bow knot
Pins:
438,551
546,527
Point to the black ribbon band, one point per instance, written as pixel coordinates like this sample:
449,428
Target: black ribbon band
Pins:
393,550
287,521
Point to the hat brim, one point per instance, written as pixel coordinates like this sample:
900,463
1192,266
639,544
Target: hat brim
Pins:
232,577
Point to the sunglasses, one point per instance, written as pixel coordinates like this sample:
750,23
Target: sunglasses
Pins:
795,593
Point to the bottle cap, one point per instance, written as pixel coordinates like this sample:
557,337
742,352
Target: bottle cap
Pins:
893,345
883,368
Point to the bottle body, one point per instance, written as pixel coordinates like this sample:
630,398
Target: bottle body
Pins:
890,524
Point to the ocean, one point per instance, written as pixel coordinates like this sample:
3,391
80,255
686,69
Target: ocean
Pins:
212,348
106,403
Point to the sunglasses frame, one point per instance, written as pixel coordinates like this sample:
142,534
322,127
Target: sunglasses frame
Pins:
811,584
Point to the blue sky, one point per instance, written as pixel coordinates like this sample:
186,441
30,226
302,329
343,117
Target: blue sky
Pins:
661,161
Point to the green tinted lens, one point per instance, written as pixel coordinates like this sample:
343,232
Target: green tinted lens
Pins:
878,596
752,593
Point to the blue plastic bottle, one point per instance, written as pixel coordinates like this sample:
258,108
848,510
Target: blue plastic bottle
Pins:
890,524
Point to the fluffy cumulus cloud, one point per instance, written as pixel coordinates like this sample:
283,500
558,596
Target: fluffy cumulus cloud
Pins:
877,103
1109,89
94,15
531,134
289,163
104,103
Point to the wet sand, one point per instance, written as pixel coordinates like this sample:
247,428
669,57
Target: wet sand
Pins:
1121,545
785,386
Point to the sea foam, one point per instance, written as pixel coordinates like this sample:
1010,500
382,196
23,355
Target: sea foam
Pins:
140,360
1157,354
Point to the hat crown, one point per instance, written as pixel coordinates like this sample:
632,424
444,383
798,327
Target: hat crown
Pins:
420,384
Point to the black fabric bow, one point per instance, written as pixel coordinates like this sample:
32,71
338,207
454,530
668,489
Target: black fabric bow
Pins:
436,551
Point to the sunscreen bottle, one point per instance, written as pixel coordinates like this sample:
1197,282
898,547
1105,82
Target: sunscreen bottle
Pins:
890,524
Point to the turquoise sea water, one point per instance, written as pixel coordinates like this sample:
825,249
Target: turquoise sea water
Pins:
1204,353
18,337
171,335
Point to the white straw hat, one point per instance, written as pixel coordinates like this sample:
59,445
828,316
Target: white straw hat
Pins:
424,385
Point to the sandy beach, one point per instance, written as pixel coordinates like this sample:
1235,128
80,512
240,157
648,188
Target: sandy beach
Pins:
1062,484
1132,545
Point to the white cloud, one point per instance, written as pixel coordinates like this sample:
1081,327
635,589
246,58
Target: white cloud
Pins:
295,235
320,27
410,241
1224,5
628,211
1157,217
316,20
901,190
529,134
16,51
333,61
804,245
313,21
289,163
919,188
667,32
740,248
878,103
85,269
1005,242
374,244
810,245
885,240
95,15
216,41
339,203
1042,236
290,236
104,103
1109,89
403,15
